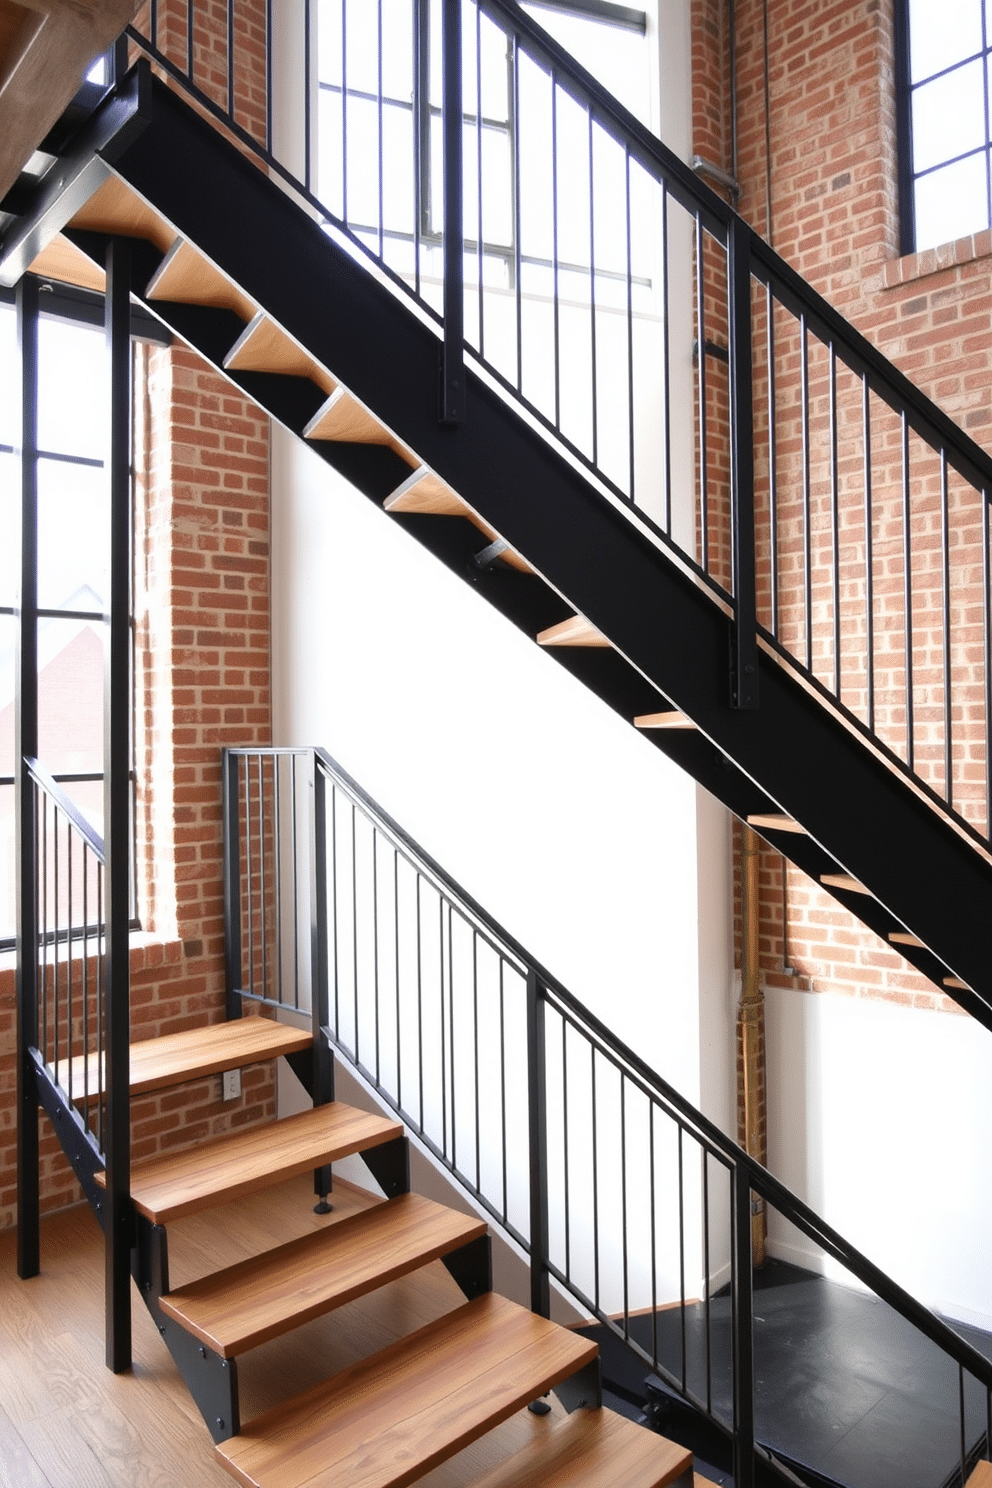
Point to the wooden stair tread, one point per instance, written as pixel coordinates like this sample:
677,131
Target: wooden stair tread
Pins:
258,1299
775,821
982,1476
115,208
576,631
670,719
388,1420
64,262
906,938
844,881
426,494
590,1448
177,1057
956,983
264,346
168,1187
187,277
346,419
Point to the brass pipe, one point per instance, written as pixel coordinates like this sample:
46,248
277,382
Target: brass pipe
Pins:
751,1029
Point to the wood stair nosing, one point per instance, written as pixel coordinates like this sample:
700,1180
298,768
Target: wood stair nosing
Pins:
175,1058
264,346
169,1187
576,631
590,1448
671,718
188,277
775,821
250,1303
386,1421
342,417
426,494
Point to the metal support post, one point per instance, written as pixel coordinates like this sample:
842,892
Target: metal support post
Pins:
116,807
230,769
322,1088
744,664
743,1340
540,1288
453,352
26,747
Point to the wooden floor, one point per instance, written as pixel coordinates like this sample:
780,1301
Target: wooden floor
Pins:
67,1422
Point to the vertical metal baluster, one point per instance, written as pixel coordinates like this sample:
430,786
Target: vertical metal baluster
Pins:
807,514
772,459
554,247
742,1313
567,1163
987,645
592,295
442,1023
354,926
623,1205
100,1021
294,849
478,167
835,515
335,895
502,1086
517,225
452,1066
631,444
375,944
963,1446
382,240
230,59
907,559
233,899
55,939
268,79
86,985
249,875
452,127
154,24
263,915
420,1008
475,1050
869,561
277,866
988,1424
704,502
595,1177
706,1278
70,1042
344,112
682,1255
418,124
189,39
44,925
396,975
653,1201
946,608
540,1290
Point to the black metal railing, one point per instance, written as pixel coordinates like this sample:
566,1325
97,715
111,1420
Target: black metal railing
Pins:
612,1185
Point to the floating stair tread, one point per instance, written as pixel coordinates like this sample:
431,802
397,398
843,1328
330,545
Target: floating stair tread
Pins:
64,262
386,1421
160,1062
426,494
906,938
264,346
982,1476
186,277
258,1299
776,821
345,419
168,1187
670,719
577,631
115,209
844,881
590,1448
960,986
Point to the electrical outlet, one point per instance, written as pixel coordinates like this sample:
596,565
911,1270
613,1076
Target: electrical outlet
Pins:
231,1084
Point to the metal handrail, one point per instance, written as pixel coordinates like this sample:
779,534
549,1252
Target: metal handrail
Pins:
392,1032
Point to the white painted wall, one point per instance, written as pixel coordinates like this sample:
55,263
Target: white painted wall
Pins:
880,1117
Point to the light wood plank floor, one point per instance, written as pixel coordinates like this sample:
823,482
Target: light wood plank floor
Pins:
67,1422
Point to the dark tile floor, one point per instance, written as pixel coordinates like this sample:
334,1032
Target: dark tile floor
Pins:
843,1385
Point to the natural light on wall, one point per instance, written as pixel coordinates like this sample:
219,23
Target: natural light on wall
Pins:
948,104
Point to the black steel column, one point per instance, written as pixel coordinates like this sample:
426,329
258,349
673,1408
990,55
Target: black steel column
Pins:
230,768
743,1333
323,1057
537,1103
116,814
453,355
744,679
25,816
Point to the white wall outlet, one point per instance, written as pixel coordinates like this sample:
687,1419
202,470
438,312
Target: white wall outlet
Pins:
231,1084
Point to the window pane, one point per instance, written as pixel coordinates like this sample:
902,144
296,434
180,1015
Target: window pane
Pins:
72,536
70,696
7,861
942,32
72,411
615,55
8,649
9,526
9,377
949,116
951,203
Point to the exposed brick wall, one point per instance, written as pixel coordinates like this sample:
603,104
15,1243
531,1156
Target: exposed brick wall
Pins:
834,216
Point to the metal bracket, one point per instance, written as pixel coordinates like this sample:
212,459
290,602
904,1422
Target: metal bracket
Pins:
583,1389
77,1143
211,1379
471,1266
488,555
389,1164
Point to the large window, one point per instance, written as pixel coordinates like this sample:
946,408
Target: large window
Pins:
73,543
944,65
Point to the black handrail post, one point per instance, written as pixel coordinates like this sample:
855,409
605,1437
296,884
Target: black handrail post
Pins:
537,1126
743,1332
25,801
116,807
323,1057
230,772
744,664
453,352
